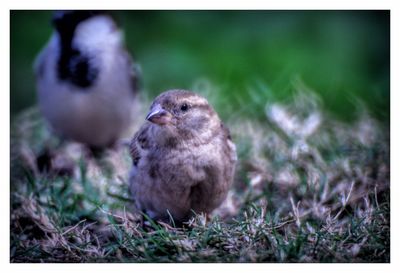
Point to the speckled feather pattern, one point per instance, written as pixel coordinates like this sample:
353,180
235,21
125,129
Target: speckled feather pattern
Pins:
185,166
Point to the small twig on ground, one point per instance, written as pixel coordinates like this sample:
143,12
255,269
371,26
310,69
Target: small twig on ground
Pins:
73,227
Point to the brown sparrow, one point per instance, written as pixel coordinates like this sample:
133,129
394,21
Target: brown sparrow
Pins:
183,158
86,80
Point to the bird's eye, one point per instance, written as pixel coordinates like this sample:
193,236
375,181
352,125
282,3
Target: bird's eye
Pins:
184,107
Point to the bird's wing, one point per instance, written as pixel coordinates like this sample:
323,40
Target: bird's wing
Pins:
230,145
135,72
226,131
135,153
139,142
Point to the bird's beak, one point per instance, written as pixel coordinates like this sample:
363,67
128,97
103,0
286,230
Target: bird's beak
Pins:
159,116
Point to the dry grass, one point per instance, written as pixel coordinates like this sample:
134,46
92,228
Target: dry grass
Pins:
308,189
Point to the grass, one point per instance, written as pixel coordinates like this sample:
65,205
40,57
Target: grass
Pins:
308,188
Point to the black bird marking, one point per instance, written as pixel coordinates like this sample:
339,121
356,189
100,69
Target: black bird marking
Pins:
73,66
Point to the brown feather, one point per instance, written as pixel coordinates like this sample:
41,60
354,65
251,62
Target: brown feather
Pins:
185,166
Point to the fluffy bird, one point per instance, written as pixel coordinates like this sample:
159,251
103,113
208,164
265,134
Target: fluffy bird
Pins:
87,87
183,158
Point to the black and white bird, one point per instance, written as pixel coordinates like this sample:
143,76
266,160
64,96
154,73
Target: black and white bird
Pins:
87,87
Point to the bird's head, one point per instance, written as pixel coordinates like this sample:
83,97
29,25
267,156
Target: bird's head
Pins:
90,27
66,21
183,113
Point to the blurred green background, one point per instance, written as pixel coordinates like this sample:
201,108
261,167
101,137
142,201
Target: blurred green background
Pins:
247,57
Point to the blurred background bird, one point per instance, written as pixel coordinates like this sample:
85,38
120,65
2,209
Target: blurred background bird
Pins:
183,158
86,82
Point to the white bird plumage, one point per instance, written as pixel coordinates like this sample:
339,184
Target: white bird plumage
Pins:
98,114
